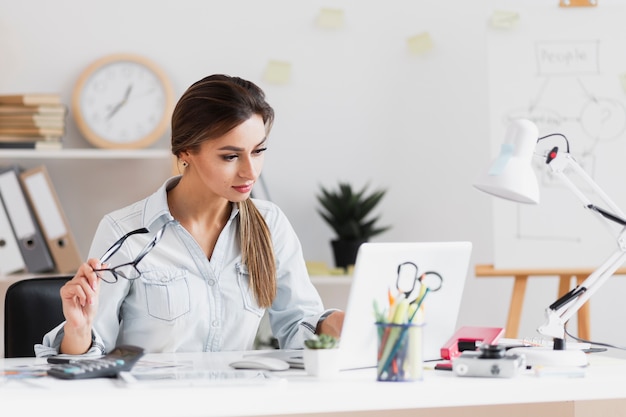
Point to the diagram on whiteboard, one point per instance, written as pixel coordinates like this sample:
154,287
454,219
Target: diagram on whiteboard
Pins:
568,85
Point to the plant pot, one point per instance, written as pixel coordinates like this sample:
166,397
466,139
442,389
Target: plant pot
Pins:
345,252
322,363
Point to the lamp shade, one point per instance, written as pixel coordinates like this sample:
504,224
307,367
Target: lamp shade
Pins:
511,175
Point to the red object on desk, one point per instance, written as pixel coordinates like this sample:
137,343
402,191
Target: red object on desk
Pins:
469,334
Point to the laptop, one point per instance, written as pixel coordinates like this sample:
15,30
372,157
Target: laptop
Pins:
375,272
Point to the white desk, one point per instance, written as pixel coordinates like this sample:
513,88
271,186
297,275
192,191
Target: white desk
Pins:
602,392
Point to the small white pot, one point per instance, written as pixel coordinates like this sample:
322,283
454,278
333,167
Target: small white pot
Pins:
322,363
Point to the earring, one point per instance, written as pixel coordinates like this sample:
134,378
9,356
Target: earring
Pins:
185,164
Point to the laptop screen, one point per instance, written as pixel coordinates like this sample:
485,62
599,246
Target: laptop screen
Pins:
375,273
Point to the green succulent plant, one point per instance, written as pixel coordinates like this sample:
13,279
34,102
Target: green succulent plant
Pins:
346,211
323,341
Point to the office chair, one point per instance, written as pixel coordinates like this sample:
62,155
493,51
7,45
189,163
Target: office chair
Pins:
32,307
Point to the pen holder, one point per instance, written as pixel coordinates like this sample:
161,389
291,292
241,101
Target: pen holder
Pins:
400,352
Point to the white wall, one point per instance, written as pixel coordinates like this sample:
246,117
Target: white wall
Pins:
359,107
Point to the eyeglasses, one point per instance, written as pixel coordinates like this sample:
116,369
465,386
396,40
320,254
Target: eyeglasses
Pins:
429,280
128,270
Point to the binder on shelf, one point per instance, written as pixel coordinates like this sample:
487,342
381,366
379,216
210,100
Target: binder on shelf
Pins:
54,225
10,256
30,240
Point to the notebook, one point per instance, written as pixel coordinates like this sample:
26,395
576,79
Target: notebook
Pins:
375,272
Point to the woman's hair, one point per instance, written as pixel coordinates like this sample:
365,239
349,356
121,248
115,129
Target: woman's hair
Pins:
209,109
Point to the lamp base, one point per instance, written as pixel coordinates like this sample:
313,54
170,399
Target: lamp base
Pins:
544,356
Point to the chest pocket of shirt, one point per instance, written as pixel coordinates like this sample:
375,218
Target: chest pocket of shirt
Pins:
249,301
167,293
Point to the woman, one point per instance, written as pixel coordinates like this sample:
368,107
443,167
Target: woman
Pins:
200,260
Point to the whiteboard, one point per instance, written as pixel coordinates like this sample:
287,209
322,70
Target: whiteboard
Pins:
563,69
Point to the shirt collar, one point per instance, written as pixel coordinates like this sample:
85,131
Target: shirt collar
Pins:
156,211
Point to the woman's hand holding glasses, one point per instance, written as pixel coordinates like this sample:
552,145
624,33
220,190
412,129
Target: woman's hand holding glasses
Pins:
80,304
80,294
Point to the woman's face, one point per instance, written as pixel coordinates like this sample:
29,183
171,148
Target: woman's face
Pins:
229,166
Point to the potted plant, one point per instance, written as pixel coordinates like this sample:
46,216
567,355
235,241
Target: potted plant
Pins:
321,355
346,211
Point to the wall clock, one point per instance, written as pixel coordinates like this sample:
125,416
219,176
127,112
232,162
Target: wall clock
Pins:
122,101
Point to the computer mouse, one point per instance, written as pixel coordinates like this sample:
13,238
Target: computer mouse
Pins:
260,362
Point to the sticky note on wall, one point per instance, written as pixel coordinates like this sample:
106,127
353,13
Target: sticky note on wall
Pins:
502,19
420,43
330,18
278,72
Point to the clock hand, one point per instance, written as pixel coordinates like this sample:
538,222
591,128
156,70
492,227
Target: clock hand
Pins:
121,103
144,93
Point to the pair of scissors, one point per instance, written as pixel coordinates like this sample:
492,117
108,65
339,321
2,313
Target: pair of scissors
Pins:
406,284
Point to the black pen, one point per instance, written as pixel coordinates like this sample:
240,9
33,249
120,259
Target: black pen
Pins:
57,360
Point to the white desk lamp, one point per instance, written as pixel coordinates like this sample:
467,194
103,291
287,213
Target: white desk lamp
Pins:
511,177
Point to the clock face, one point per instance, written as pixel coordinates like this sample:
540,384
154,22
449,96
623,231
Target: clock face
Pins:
122,102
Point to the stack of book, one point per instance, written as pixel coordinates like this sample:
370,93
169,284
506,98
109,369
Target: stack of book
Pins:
32,121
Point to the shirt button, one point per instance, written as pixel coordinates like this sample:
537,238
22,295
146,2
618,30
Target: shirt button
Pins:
215,323
211,282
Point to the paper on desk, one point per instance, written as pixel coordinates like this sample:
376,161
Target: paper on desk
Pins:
508,342
24,371
197,377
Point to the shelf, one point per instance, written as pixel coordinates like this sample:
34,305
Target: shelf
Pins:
86,154
331,279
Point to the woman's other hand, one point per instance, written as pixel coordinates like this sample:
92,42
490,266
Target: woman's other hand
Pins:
332,324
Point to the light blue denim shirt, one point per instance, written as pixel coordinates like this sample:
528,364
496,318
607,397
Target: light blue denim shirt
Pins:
184,302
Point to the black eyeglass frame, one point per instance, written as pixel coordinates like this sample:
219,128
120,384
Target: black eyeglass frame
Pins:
116,247
419,278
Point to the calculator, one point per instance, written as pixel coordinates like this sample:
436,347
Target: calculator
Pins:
120,359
